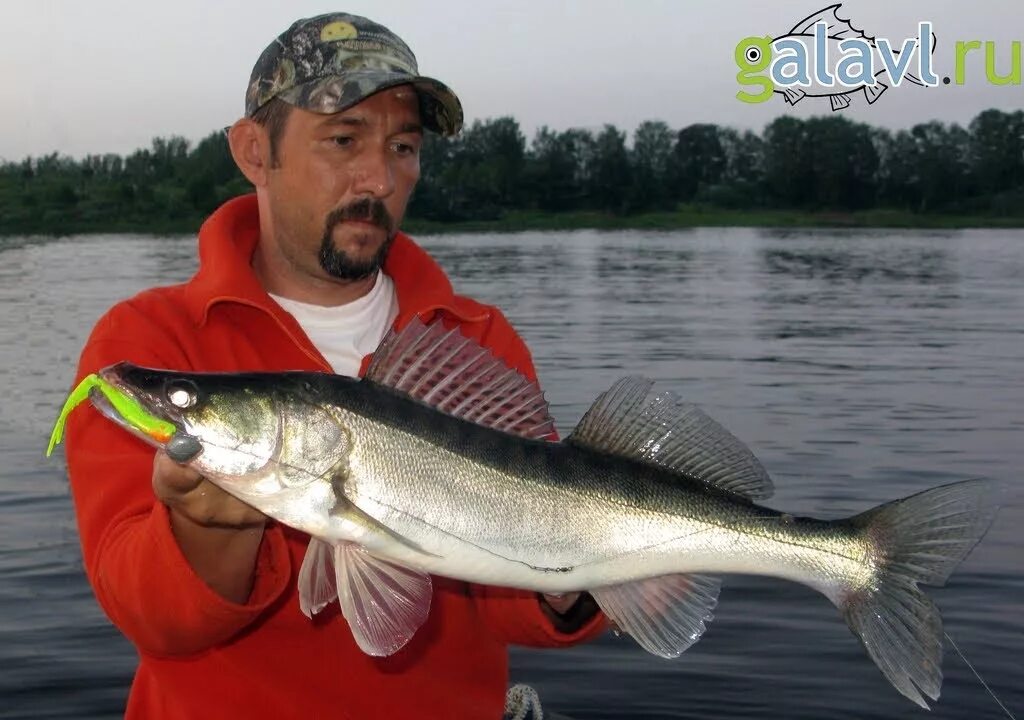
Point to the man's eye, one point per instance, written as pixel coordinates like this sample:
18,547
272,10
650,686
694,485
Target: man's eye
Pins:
342,140
405,149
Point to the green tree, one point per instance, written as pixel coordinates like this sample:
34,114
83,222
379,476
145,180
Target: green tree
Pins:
899,175
843,162
698,160
650,160
996,155
556,175
433,198
484,172
788,172
741,183
609,174
942,158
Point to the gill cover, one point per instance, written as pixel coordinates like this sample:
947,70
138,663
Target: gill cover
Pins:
266,432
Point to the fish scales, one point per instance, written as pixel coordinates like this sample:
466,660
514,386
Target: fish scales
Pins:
560,509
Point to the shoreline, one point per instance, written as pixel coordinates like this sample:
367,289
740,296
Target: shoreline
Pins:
526,220
695,217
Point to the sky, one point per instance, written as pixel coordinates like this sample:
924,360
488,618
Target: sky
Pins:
99,76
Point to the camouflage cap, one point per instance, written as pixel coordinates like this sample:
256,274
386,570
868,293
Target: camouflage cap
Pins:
331,62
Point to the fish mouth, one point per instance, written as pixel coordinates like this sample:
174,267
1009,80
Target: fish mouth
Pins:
133,398
106,408
150,418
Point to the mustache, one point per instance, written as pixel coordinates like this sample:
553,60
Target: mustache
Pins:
368,210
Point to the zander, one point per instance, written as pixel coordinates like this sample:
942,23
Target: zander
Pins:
441,461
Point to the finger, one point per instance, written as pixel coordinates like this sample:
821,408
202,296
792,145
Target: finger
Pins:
182,447
169,476
211,506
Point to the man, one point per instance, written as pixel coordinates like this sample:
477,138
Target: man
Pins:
307,274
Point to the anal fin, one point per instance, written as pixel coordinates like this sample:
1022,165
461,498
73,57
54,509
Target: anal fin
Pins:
665,615
872,92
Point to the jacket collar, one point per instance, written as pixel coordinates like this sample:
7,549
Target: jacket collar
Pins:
228,239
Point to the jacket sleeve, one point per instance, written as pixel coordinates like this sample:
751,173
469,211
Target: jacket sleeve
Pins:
140,577
515,616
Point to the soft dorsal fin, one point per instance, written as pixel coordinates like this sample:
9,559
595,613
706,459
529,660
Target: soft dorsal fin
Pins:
455,374
838,27
660,429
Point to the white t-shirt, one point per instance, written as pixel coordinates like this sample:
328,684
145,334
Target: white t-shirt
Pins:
344,334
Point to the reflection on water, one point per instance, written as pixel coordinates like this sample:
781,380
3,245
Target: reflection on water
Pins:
859,366
922,266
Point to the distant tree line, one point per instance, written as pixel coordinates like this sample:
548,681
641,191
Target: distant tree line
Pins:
820,164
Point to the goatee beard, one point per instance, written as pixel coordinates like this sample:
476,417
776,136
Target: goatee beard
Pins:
337,263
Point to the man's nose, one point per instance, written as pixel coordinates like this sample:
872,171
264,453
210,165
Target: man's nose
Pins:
372,175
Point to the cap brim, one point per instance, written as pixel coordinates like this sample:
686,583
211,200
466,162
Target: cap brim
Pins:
440,109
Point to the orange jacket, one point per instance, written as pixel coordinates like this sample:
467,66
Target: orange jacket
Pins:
202,656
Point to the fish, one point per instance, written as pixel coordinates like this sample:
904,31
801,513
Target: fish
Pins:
443,461
801,41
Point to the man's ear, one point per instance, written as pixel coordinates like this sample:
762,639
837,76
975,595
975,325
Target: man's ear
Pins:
250,148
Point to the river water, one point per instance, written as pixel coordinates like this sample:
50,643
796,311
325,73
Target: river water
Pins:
860,366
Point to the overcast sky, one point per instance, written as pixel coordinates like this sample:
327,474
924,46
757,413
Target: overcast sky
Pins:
108,75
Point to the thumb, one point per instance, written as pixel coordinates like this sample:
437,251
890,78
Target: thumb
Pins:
170,475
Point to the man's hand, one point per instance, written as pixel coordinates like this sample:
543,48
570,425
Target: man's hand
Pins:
192,496
568,612
218,534
561,603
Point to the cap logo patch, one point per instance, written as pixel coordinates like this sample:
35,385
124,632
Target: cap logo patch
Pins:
338,30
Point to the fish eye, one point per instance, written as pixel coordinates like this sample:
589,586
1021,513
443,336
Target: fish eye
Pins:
181,393
752,53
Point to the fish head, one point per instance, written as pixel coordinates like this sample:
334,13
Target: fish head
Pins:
232,421
259,436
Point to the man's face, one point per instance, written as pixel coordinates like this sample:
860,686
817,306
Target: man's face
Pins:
342,183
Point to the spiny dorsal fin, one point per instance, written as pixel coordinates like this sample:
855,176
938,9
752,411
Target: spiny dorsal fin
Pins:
456,375
838,27
660,429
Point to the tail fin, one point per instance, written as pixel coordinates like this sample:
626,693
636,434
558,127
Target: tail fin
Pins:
921,539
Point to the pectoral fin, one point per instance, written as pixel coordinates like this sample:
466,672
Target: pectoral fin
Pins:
350,512
793,95
665,615
317,586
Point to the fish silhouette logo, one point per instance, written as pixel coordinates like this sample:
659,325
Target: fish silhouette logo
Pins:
826,56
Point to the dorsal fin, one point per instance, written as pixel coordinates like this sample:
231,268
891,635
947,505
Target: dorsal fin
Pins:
455,374
838,27
660,429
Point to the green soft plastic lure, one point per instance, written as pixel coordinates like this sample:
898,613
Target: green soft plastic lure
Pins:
133,414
